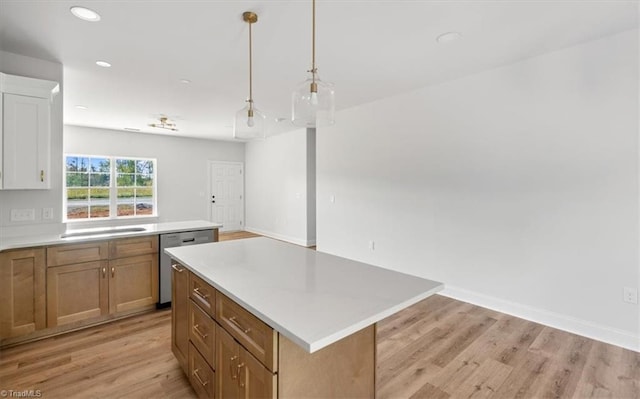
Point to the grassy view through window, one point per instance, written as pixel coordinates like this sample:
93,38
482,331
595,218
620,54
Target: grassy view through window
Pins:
108,187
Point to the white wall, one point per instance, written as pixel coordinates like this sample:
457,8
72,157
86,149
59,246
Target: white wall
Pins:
516,187
276,187
182,165
15,64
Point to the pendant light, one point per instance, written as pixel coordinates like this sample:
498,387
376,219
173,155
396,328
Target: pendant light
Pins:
249,122
313,101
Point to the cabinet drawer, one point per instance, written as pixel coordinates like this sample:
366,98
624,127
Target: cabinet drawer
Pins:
203,294
133,246
202,333
201,375
77,253
257,337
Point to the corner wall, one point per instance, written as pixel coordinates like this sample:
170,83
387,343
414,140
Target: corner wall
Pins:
20,65
516,187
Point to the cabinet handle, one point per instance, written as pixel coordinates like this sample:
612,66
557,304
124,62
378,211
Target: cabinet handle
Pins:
240,379
195,374
104,272
175,267
113,272
42,175
233,320
233,375
203,336
200,294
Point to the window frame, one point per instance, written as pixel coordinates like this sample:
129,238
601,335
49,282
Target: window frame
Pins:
113,189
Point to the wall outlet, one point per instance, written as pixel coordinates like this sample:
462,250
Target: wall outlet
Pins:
22,215
631,295
47,213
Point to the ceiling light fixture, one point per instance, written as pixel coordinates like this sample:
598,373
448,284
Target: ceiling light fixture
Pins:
85,14
249,122
103,64
448,37
165,124
81,107
185,81
313,102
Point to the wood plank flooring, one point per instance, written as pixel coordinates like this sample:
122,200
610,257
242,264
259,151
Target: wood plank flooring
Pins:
438,348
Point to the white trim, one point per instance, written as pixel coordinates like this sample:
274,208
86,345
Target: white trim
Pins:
281,237
625,339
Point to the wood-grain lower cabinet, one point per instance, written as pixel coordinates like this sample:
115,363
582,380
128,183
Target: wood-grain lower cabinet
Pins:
22,292
179,314
133,283
240,375
77,292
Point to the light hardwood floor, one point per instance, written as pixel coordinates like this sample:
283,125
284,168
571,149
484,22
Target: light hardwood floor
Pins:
438,348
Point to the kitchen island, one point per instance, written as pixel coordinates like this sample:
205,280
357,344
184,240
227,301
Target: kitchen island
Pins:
264,318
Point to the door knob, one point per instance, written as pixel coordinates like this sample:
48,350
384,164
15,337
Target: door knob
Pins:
213,196
213,202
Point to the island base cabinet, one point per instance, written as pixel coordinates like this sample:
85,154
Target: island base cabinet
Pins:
240,375
344,369
22,292
201,376
179,314
77,292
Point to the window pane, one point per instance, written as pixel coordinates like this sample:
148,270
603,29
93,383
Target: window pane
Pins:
100,194
125,193
126,180
71,164
144,180
77,212
99,211
82,164
125,210
99,180
125,166
77,194
75,179
100,165
144,167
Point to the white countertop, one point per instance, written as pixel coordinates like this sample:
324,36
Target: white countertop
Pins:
105,233
310,297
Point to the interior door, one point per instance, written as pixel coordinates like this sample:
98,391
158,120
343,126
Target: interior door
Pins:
226,195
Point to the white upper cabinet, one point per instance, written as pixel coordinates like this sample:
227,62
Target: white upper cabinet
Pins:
25,147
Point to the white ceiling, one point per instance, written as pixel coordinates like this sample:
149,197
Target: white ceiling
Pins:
368,49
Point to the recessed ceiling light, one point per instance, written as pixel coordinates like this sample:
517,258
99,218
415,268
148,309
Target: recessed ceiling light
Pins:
85,14
185,81
132,129
448,37
103,64
81,107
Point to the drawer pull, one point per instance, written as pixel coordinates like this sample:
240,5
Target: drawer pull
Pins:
113,272
240,380
203,336
231,369
204,297
233,320
195,374
104,272
175,267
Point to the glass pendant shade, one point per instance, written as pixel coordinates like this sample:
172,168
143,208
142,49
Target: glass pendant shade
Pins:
313,108
249,124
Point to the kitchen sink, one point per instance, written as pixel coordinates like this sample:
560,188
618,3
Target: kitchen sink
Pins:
102,232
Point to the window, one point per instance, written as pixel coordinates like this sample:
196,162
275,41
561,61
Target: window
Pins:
99,187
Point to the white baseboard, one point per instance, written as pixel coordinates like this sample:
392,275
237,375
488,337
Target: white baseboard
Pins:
625,339
282,237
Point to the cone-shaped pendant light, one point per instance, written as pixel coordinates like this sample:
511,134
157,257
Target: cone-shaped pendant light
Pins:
249,123
313,101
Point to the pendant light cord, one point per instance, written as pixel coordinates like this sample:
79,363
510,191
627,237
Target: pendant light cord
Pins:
313,41
250,69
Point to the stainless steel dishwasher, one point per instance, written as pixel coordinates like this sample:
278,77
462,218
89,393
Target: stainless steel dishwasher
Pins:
176,240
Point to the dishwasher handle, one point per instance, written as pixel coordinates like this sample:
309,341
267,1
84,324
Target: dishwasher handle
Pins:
189,240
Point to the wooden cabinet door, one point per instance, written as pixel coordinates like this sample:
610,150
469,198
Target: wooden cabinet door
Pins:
179,313
254,379
77,292
133,283
227,361
22,292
